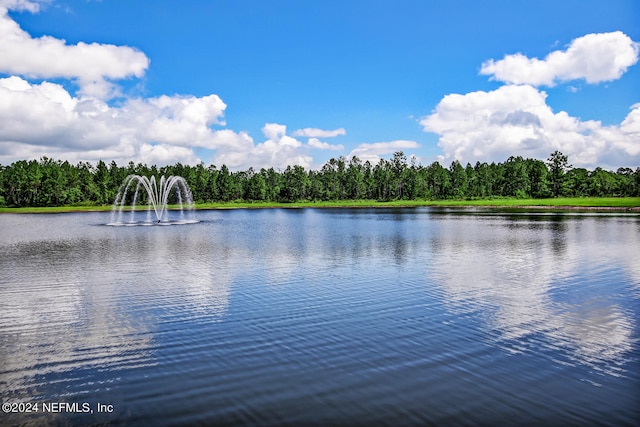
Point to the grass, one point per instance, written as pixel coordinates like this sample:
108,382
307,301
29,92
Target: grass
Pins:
56,209
557,203
613,202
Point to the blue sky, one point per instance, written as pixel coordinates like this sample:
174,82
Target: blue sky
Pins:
271,83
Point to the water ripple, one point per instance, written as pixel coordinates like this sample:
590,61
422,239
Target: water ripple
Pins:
324,316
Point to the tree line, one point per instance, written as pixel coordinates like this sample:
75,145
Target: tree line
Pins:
48,182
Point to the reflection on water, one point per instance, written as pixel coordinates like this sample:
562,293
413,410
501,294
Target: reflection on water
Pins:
365,316
78,303
536,288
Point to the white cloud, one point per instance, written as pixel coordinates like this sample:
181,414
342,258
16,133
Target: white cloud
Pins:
275,131
593,57
320,145
516,120
278,151
44,119
319,133
374,151
92,65
631,124
31,6
179,119
167,154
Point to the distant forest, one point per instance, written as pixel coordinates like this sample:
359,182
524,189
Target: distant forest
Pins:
49,182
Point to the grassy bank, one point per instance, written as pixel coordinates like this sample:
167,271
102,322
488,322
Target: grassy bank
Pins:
621,203
57,209
587,202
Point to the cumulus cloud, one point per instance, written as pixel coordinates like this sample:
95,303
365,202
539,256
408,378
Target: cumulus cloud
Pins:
319,133
178,119
278,151
516,120
593,57
320,145
162,154
44,119
92,65
374,151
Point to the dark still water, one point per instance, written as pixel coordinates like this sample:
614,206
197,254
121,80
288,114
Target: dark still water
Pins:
321,316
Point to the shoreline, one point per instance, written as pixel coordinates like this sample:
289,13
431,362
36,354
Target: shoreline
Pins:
564,208
628,204
568,208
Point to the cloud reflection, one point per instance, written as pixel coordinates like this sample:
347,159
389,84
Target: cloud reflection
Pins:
538,289
103,302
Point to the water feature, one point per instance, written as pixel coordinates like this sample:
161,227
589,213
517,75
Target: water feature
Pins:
157,195
323,316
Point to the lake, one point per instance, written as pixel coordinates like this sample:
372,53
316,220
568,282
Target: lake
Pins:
322,316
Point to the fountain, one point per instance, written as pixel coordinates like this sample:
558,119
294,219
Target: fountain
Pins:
157,196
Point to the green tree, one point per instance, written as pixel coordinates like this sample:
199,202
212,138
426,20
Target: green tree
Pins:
576,182
484,180
602,183
200,186
439,181
397,167
103,184
331,180
625,184
355,179
382,177
50,182
636,182
538,178
459,182
296,184
410,179
515,178
558,165
273,180
224,184
257,186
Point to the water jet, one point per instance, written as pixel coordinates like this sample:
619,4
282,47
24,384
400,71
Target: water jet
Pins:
136,190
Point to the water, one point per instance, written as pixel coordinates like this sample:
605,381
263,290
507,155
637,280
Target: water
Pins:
322,316
157,195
